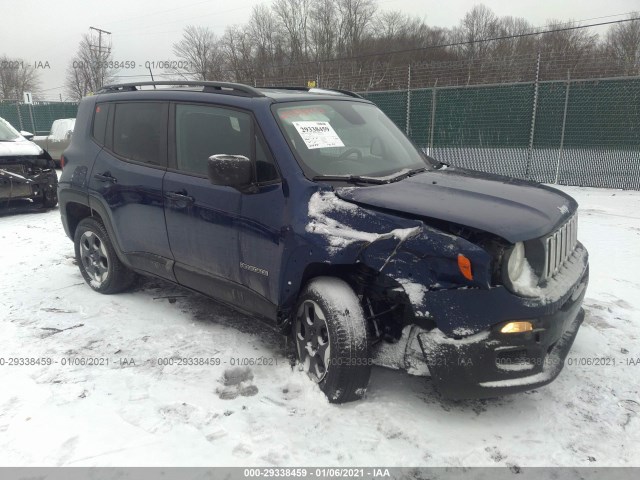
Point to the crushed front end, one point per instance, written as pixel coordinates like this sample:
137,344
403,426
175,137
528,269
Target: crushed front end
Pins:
485,310
487,342
507,357
27,181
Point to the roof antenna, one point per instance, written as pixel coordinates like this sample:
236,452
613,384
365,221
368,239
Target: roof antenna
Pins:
152,79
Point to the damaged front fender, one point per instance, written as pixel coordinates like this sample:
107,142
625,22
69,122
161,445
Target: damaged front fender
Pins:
405,252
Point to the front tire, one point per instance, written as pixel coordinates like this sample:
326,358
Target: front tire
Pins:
99,264
330,334
50,199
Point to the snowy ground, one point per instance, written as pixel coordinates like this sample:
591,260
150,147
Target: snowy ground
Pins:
146,414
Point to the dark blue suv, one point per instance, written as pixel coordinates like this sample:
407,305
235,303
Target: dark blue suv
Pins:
310,209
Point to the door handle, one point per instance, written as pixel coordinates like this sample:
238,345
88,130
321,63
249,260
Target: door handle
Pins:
180,197
105,177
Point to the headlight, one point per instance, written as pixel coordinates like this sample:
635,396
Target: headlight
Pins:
515,262
517,274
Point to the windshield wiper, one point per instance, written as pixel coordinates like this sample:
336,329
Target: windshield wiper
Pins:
351,179
402,174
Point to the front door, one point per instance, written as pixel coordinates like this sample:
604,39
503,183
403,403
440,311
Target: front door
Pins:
203,219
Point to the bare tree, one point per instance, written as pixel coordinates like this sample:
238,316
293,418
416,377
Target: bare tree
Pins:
88,70
267,39
293,16
200,55
570,43
510,47
479,23
356,17
623,43
17,77
323,29
238,50
349,44
567,52
390,24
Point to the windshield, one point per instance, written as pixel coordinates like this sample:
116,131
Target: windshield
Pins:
7,132
345,138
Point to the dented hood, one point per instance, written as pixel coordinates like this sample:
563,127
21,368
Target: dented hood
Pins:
515,210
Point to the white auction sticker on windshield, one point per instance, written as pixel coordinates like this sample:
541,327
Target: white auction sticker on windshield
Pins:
318,134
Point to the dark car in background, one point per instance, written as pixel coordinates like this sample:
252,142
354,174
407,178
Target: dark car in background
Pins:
311,210
27,173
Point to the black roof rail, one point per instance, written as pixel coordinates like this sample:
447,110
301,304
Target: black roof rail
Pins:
211,87
310,89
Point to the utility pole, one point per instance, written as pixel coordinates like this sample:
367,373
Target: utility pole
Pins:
102,53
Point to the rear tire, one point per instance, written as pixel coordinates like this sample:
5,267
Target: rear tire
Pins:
330,334
99,264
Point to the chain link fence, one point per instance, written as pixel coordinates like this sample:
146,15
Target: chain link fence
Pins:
37,117
574,131
550,118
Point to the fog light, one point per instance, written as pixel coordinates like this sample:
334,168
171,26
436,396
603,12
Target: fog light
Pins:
517,327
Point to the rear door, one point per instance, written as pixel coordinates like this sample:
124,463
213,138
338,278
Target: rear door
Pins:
126,181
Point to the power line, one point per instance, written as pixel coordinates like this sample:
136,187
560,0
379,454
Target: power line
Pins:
394,52
594,18
431,47
448,45
468,42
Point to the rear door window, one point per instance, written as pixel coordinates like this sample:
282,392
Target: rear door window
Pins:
140,132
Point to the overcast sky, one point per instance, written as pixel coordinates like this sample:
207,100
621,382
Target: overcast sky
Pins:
40,31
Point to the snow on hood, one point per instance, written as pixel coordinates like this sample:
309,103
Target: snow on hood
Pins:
339,235
18,148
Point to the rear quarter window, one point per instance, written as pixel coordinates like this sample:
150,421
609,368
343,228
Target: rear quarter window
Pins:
100,114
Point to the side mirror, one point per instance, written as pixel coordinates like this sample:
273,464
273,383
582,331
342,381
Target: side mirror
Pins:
27,135
230,171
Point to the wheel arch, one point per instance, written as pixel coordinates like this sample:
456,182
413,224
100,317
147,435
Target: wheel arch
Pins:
76,212
378,293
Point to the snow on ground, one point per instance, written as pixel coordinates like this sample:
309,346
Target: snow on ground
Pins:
144,414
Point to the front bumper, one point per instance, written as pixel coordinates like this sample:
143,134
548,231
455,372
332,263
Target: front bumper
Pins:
491,364
19,188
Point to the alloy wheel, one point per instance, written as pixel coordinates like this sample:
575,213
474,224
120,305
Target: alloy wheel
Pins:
94,257
312,340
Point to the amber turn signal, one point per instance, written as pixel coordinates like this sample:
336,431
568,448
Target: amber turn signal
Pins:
517,327
464,264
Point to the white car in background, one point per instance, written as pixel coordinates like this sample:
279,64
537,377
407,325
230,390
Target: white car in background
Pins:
58,139
27,172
